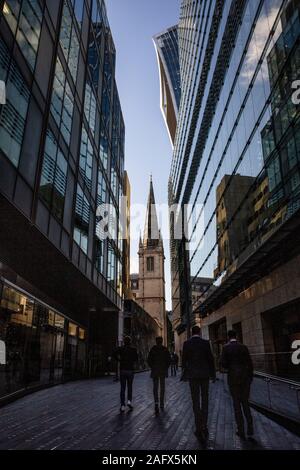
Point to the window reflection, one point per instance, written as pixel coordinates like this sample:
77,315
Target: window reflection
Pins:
13,114
86,159
69,41
111,265
82,220
25,18
35,339
104,148
53,184
90,107
62,102
247,179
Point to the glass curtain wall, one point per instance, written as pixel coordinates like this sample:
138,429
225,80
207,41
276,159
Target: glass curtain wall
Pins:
41,346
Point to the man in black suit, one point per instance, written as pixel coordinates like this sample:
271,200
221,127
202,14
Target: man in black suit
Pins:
237,360
198,367
127,356
159,360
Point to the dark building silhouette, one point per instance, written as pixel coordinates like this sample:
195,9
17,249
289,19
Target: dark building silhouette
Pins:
61,157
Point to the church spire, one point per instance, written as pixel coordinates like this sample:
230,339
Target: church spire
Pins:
151,232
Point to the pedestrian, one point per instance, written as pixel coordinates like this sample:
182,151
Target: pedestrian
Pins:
127,357
198,367
108,365
174,364
237,361
159,360
176,361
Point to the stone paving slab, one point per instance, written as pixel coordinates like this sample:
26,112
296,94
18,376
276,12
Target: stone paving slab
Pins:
85,416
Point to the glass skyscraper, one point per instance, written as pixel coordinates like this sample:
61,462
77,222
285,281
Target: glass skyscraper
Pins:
166,45
236,163
61,156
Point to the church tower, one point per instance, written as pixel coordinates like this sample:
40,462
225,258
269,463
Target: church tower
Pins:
151,293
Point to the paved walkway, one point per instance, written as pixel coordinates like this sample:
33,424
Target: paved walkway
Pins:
85,415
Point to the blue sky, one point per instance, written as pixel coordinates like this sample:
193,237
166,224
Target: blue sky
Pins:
148,149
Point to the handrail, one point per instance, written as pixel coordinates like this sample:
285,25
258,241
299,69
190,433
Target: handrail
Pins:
271,353
278,379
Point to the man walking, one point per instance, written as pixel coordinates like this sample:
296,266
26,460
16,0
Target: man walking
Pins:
159,360
174,364
237,360
198,367
127,357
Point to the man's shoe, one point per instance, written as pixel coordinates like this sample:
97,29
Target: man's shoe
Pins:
241,434
129,404
156,410
123,408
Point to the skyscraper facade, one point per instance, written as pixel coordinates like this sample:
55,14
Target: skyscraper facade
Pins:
166,45
61,157
236,164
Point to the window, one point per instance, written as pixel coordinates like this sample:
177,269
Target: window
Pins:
18,306
102,189
62,102
2,353
69,41
120,278
114,181
295,182
59,322
13,114
90,107
100,234
94,60
104,149
111,265
78,9
106,106
82,220
81,334
150,264
53,184
86,159
25,18
72,329
274,173
292,153
99,258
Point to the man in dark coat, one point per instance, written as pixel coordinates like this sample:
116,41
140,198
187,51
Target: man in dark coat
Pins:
159,360
127,356
198,367
237,360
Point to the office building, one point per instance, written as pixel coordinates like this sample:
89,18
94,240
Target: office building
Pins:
166,45
236,157
61,158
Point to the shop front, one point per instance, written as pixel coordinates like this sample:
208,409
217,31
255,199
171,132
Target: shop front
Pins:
39,345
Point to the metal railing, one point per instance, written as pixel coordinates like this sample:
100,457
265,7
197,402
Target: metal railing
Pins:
276,384
279,395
